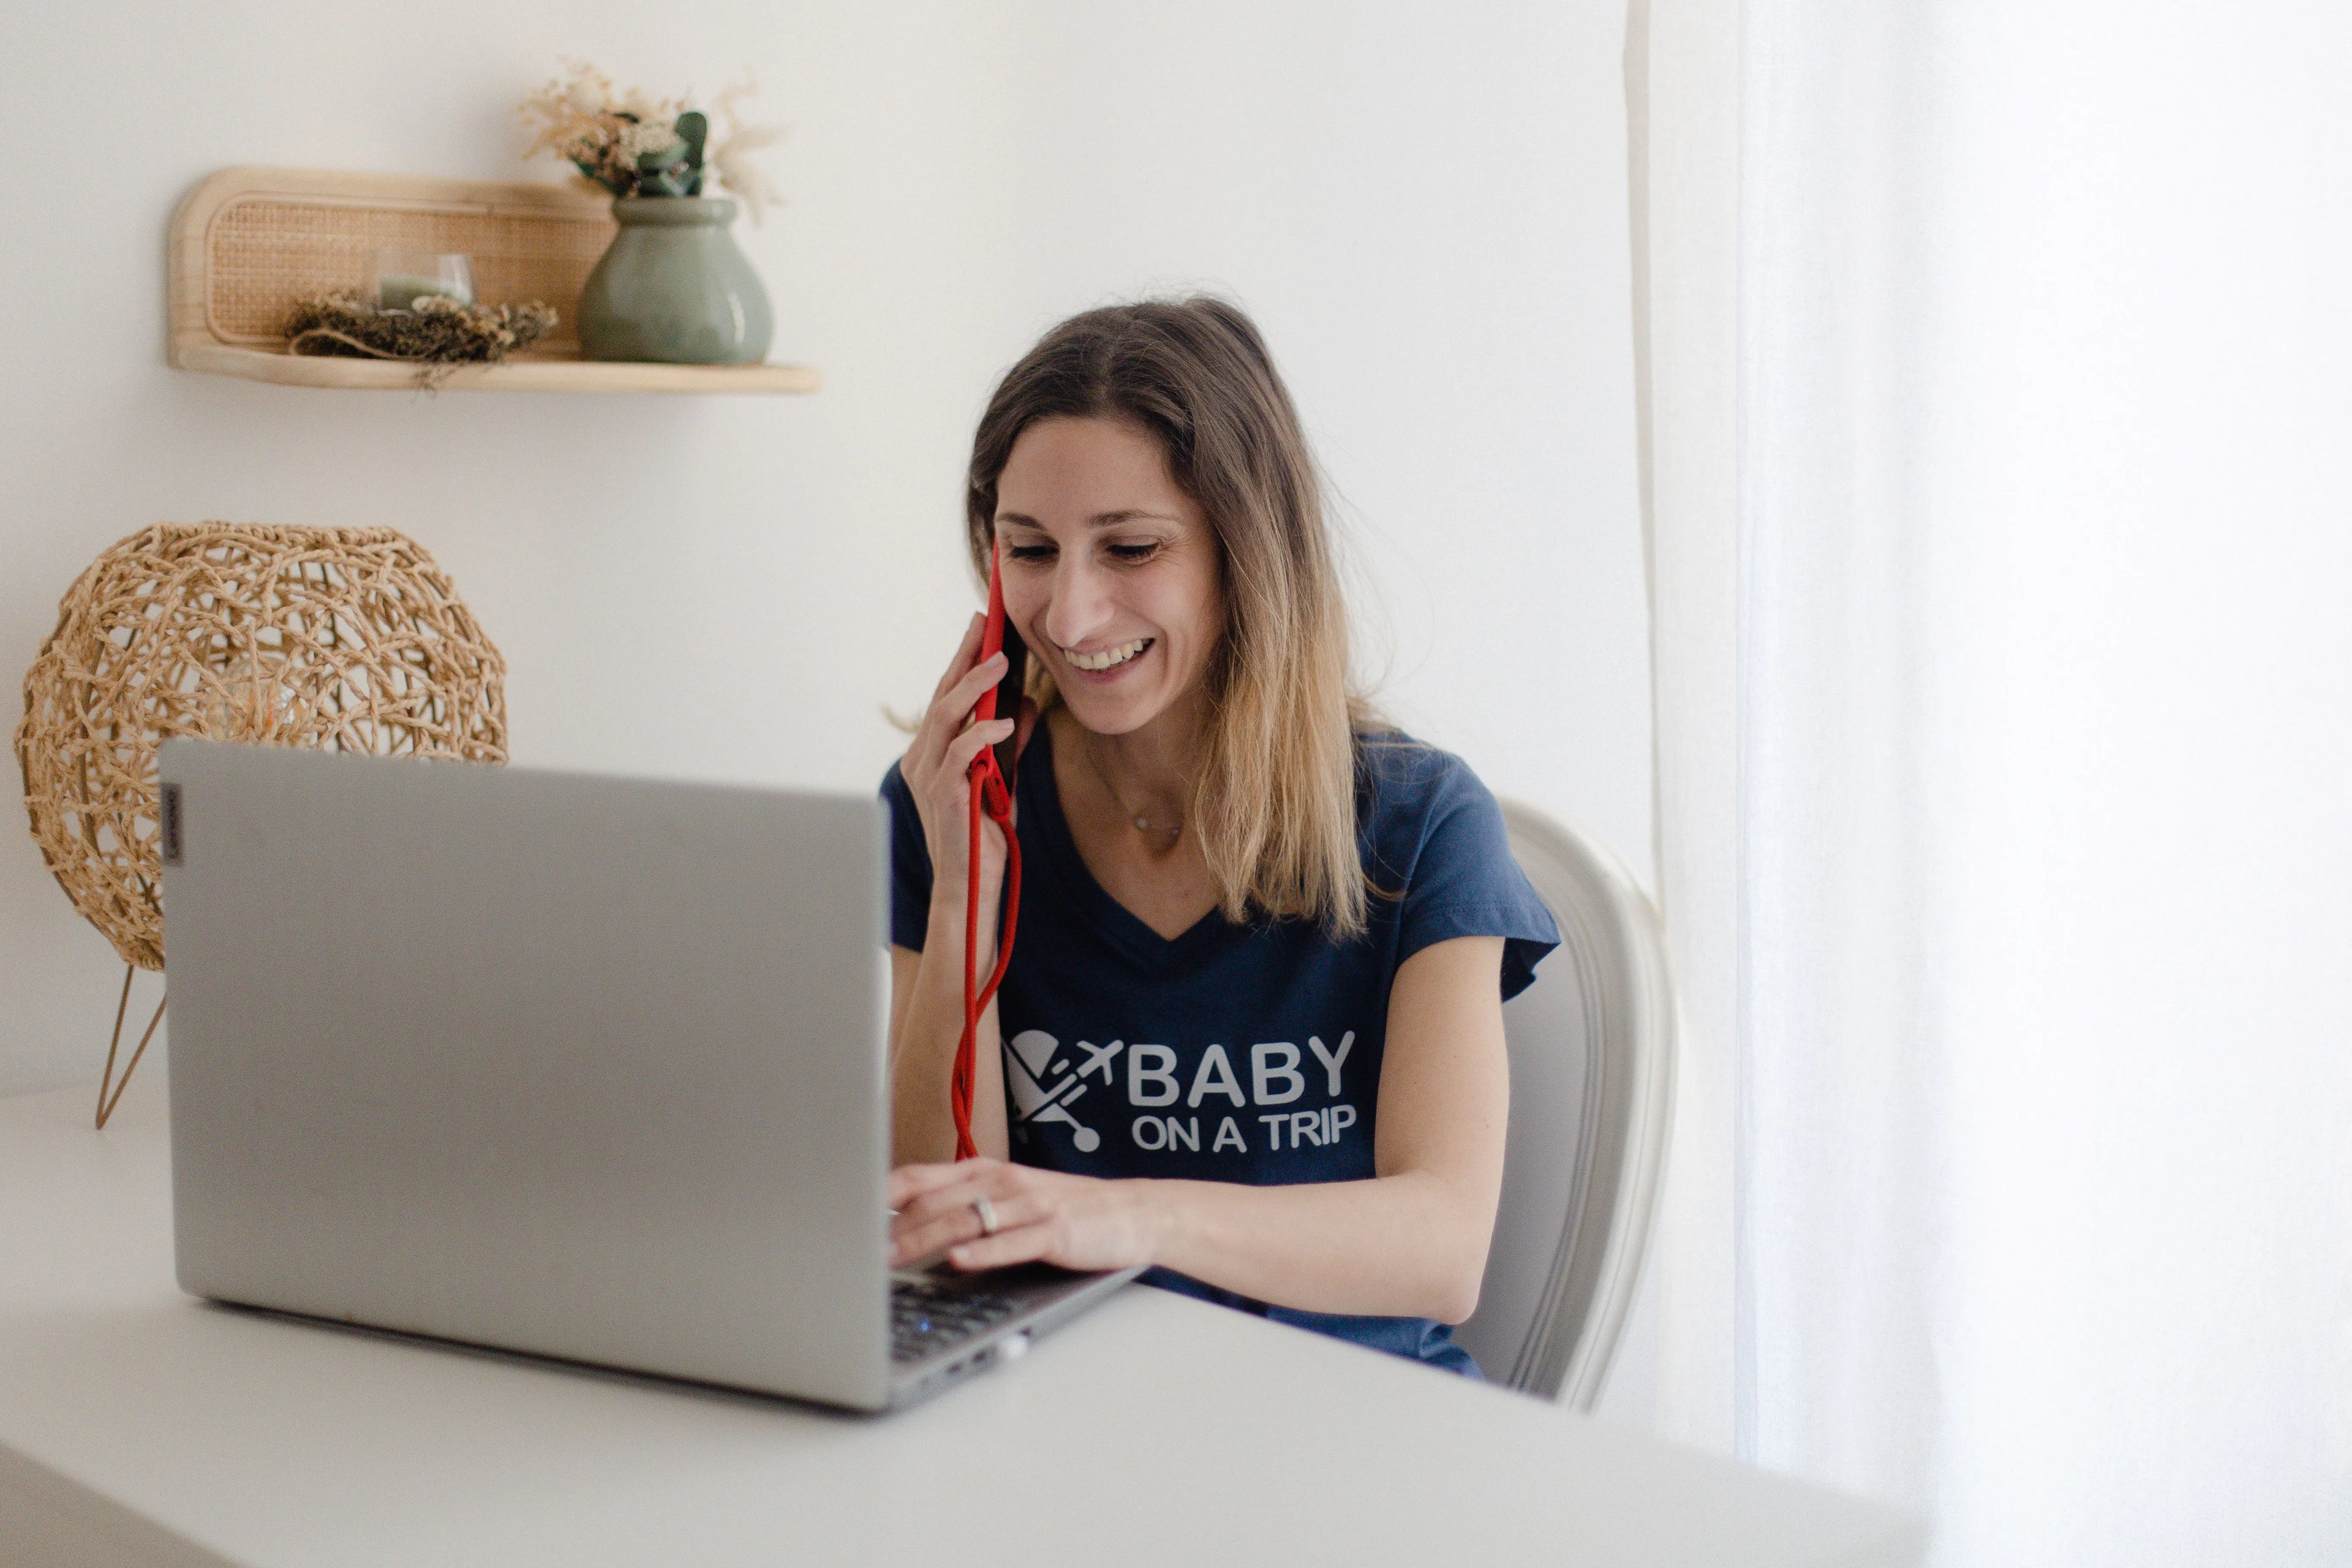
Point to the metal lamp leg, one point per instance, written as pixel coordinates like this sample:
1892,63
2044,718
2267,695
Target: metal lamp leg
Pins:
106,1102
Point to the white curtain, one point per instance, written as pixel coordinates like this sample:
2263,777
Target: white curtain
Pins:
1998,367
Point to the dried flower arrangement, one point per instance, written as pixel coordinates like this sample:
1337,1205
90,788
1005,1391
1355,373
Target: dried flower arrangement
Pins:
439,333
637,146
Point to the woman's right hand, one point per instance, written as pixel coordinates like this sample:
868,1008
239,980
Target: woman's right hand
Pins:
937,769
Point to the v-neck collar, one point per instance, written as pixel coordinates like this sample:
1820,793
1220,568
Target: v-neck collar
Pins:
1041,802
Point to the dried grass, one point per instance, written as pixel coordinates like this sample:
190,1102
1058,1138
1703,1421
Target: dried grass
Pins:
440,334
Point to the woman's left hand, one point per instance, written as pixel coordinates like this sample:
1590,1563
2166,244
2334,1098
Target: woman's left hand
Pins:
1077,1222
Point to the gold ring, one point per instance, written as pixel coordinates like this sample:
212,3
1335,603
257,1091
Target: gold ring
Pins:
987,1213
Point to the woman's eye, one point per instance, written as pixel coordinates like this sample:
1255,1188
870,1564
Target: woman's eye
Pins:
1133,552
1029,552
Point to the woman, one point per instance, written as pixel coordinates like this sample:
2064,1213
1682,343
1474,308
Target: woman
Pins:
1252,1030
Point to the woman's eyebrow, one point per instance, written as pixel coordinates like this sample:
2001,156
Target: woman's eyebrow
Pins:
1100,518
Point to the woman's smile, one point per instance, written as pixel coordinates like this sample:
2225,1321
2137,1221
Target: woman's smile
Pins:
1107,663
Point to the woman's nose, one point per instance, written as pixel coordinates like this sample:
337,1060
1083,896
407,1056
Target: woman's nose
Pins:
1081,604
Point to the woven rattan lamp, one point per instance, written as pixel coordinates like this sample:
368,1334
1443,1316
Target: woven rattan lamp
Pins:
348,639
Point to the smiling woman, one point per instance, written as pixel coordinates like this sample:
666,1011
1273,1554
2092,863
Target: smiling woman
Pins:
1252,1032
1172,421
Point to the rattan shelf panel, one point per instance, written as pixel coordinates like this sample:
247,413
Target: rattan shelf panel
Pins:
249,241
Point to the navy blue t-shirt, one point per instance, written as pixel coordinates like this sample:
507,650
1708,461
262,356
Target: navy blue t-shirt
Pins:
1234,1053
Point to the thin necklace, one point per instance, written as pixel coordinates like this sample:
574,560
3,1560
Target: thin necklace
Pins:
1143,824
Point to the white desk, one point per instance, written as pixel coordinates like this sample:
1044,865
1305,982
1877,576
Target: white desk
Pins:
140,1426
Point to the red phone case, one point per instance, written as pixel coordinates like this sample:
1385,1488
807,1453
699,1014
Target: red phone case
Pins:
997,635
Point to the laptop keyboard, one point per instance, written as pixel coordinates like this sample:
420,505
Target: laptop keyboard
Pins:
927,1317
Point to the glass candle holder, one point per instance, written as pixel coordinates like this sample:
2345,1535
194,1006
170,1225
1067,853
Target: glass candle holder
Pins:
404,277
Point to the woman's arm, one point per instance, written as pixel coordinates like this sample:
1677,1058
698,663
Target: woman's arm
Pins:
1411,1242
926,988
925,1023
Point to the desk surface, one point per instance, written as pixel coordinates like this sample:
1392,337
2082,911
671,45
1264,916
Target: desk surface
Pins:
138,1426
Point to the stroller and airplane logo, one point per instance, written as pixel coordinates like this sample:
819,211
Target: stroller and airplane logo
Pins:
1045,1081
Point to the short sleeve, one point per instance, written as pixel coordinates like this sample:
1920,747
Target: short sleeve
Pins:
910,865
1463,880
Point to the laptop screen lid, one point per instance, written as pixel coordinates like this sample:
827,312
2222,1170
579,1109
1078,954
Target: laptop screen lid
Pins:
583,1066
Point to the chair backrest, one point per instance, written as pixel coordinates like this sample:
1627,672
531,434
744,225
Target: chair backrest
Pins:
1592,1062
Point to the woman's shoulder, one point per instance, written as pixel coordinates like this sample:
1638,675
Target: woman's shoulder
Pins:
1412,798
1400,776
1435,836
909,855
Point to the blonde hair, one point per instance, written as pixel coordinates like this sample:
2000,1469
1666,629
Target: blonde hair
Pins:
1275,804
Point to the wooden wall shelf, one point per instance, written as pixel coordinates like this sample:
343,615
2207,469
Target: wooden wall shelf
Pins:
246,242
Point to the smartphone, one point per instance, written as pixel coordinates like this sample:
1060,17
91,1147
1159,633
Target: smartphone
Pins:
998,634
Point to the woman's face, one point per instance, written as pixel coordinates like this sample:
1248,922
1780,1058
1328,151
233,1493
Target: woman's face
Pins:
1111,570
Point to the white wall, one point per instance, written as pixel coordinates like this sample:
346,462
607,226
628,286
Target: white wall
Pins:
1429,222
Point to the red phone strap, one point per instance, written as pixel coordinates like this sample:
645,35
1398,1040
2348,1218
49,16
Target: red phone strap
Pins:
991,795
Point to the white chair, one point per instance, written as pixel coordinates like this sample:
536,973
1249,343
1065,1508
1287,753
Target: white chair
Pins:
1592,1064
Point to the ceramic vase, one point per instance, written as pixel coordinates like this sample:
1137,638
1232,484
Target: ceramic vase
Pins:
673,287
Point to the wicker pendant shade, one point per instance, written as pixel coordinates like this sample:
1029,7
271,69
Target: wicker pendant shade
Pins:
347,639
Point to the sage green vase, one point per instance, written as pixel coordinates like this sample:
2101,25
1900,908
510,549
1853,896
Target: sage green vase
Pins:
673,287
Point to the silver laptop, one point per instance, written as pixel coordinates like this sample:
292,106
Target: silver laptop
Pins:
584,1068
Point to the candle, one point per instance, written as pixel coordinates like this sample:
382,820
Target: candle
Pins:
400,291
404,277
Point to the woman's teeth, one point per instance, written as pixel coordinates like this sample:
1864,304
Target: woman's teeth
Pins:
1108,656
